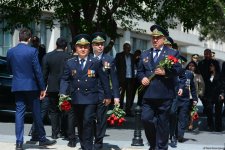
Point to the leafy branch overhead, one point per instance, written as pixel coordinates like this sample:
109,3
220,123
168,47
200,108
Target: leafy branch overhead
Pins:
107,15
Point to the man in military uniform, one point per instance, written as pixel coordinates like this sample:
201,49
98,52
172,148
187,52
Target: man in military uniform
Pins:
179,109
98,40
81,75
184,101
173,110
160,91
169,42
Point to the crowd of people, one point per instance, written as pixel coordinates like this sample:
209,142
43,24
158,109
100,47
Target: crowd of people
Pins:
94,80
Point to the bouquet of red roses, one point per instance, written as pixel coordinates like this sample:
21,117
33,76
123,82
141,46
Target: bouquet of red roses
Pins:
194,113
64,104
166,63
116,116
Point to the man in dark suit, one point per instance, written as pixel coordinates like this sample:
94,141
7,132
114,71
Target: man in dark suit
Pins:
28,86
98,40
53,64
160,91
82,74
125,70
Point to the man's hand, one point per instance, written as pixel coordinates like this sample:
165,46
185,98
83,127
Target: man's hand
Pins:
116,101
195,103
145,81
180,92
106,102
42,95
221,97
160,71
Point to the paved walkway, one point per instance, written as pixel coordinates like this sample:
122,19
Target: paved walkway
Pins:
120,138
203,141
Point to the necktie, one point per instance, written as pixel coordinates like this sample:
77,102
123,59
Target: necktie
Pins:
82,64
156,55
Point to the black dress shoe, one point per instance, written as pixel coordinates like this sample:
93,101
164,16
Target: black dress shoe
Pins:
180,139
19,146
98,146
173,141
47,142
72,144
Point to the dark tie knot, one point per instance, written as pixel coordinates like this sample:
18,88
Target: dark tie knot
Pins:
157,50
82,60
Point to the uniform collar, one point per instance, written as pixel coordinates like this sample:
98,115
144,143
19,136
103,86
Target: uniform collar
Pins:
99,56
161,48
85,58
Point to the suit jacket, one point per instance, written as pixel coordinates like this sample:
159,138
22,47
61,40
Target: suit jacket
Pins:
121,66
53,64
109,67
24,65
161,87
212,88
84,83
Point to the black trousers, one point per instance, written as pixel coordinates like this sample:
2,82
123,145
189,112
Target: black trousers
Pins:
127,87
155,118
54,112
85,119
101,124
72,123
173,118
183,107
216,105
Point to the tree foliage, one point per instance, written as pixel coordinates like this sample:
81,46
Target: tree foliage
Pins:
89,16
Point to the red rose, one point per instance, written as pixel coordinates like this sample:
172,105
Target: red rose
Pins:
121,120
170,57
112,122
115,118
195,116
175,60
65,106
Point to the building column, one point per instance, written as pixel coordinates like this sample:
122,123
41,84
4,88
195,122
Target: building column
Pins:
51,36
126,38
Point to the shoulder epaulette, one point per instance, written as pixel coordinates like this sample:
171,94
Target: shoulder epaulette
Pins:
71,58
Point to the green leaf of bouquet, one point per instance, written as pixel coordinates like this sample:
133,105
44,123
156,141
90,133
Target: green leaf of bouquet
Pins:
109,112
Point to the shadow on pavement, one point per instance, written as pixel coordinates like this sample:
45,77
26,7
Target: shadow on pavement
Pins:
29,145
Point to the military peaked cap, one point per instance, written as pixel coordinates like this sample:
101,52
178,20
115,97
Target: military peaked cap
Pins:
158,31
